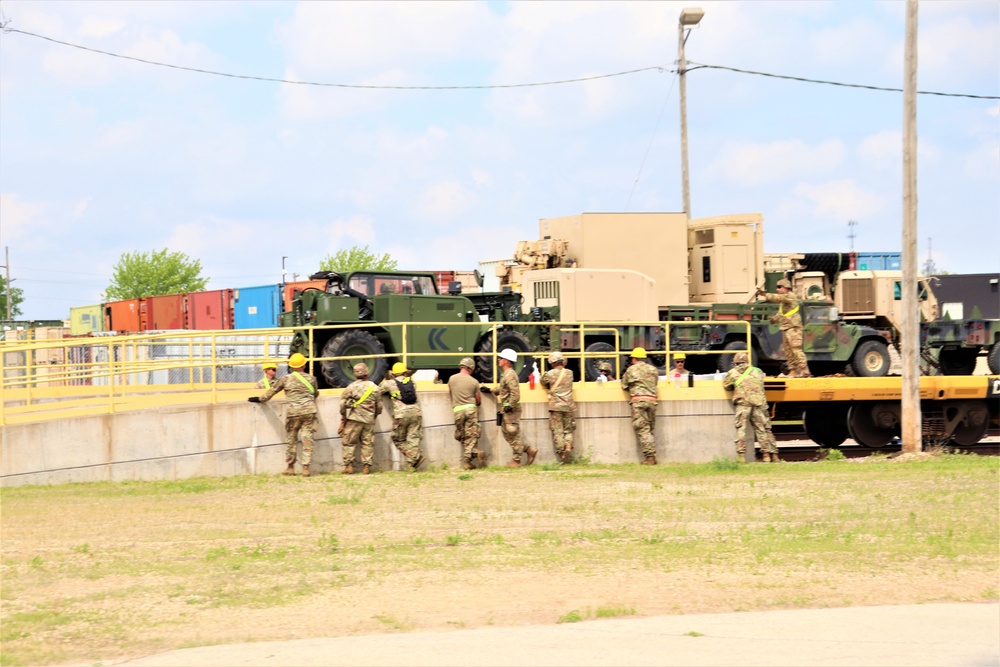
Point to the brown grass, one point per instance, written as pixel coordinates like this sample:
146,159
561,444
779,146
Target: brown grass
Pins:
104,571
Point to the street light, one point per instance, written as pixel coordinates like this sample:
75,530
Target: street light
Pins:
690,16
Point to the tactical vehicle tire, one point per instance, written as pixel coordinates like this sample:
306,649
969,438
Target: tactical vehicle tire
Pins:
726,360
871,359
506,338
958,362
826,425
993,360
340,372
590,365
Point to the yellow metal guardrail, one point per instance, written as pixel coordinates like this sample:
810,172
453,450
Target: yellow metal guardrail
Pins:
104,374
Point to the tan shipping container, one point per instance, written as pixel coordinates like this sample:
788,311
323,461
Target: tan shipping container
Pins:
592,295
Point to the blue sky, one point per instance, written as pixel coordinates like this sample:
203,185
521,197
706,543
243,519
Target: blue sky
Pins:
101,156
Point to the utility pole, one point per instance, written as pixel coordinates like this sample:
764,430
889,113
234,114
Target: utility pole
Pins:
689,18
911,432
6,266
283,274
851,234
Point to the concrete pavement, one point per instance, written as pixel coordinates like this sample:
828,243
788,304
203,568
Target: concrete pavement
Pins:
932,635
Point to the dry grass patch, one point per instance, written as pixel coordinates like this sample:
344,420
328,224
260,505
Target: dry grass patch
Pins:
104,571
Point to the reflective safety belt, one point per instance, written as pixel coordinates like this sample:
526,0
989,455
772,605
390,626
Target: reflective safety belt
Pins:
781,309
462,407
745,373
306,382
267,383
368,392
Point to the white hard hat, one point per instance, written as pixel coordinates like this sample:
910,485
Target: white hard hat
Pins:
508,354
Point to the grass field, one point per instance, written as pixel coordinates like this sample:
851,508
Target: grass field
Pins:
103,571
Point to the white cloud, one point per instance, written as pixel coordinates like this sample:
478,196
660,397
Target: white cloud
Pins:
840,200
99,27
445,201
81,207
17,217
751,164
357,229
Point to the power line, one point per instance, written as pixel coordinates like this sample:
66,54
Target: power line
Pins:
834,83
335,85
659,68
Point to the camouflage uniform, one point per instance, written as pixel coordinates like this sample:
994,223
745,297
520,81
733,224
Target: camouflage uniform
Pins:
790,321
407,421
265,383
508,394
300,420
462,389
559,383
640,382
359,406
747,383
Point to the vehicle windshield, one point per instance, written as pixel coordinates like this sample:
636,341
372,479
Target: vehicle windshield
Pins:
375,284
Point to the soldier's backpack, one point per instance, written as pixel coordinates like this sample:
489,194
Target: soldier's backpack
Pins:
407,392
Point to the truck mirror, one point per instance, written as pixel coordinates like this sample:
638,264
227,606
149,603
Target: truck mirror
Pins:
455,287
479,278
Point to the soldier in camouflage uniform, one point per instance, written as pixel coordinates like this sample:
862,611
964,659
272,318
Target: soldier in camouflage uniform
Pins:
790,321
604,371
359,406
747,383
558,381
640,382
508,393
270,370
465,400
300,391
407,419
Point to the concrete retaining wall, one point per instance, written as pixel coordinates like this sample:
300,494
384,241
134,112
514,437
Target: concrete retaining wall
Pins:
694,424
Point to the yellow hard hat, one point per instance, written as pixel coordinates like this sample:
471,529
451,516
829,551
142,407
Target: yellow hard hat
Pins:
398,368
297,360
680,355
639,353
269,364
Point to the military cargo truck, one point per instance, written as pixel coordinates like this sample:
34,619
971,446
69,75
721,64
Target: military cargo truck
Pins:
371,300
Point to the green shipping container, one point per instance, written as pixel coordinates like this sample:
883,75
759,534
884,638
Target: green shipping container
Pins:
84,319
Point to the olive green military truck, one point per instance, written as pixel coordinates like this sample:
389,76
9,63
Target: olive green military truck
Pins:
440,329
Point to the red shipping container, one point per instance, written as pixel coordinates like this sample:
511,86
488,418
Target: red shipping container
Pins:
165,312
288,291
210,311
127,316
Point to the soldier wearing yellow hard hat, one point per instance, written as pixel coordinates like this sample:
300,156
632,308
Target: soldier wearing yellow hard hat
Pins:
679,369
640,382
407,418
300,390
270,369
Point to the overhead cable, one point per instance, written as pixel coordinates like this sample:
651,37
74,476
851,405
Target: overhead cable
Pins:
660,68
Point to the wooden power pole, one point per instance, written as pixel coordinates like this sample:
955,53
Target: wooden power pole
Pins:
911,440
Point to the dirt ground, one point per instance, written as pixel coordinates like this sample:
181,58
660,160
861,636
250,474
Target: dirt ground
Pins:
101,572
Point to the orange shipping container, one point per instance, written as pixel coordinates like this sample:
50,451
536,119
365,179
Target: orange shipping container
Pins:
165,312
127,316
289,289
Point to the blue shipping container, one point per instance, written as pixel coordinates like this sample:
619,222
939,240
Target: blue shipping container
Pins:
879,261
256,307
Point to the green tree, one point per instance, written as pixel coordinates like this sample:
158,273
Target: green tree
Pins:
357,258
140,274
16,297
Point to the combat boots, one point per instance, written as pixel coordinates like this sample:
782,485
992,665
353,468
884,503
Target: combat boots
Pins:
649,461
767,457
366,469
348,469
290,470
305,471
467,464
416,464
513,464
774,457
531,452
481,455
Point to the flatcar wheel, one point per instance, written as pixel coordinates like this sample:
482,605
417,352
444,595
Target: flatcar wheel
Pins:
972,427
825,425
872,424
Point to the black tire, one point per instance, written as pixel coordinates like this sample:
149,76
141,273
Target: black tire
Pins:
871,359
505,338
340,372
993,360
958,362
826,425
599,348
726,360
